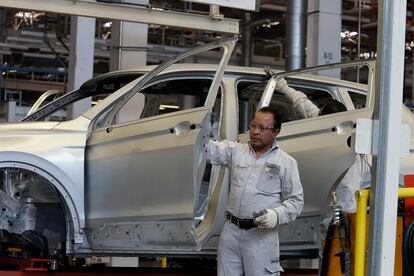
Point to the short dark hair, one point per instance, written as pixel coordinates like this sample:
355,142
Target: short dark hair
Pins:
332,106
277,119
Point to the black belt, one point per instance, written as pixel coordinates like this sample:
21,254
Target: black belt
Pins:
241,223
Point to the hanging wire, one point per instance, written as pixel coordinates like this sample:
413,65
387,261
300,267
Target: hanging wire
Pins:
359,35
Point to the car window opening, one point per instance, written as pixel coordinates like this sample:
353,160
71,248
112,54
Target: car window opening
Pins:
249,98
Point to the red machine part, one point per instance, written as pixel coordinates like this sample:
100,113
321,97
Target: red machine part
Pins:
30,264
409,202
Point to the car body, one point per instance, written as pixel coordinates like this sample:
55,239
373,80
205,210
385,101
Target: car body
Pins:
129,176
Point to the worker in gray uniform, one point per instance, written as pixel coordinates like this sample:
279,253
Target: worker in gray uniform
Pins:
358,174
265,191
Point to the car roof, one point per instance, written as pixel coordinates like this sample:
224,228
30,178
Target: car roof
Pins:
184,67
193,67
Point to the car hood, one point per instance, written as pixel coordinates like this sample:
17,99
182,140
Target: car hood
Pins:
28,126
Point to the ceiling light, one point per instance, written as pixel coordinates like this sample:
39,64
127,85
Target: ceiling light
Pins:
107,24
270,24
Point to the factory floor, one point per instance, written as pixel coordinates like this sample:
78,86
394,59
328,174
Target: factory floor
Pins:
129,272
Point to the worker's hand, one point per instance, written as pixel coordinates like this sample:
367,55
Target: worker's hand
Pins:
268,220
281,85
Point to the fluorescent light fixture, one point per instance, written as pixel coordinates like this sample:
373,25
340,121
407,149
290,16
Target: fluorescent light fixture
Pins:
165,106
271,24
107,24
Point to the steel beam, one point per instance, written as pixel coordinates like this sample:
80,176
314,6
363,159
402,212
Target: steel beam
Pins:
387,110
251,5
125,12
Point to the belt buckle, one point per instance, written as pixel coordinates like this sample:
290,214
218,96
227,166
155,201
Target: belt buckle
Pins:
234,220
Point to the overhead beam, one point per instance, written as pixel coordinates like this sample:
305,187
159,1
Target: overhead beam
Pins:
131,13
32,85
251,5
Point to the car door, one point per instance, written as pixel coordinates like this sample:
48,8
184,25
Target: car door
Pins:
322,148
144,174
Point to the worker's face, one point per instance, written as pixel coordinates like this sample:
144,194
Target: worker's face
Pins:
261,131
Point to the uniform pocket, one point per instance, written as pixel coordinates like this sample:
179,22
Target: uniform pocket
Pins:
269,183
239,173
225,230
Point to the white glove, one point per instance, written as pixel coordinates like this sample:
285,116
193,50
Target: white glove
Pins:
268,220
281,86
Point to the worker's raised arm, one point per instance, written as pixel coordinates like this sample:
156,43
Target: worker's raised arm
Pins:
304,107
220,152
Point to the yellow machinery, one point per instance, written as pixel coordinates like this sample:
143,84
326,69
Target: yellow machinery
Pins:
358,239
360,231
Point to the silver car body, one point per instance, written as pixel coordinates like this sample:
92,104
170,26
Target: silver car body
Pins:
133,187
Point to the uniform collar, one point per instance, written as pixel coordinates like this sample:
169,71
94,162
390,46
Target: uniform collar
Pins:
275,145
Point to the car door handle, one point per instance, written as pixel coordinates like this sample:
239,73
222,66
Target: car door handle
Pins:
182,128
109,129
343,127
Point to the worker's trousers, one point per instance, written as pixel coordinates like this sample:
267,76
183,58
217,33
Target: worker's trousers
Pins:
252,252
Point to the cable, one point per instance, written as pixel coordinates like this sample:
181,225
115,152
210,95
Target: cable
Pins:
346,250
408,250
327,249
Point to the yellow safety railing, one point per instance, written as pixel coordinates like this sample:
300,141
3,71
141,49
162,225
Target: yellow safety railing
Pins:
362,197
164,262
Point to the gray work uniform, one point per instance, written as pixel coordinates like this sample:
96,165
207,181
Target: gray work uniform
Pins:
270,181
351,182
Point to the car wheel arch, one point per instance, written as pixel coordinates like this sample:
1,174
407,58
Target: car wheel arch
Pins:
55,178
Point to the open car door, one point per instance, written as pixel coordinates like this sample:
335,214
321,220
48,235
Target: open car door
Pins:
322,147
144,174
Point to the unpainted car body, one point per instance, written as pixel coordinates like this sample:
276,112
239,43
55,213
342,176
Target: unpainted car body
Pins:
129,176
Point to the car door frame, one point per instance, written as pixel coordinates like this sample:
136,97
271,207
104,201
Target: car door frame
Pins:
110,109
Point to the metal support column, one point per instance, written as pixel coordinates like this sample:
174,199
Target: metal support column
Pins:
323,33
129,49
81,57
129,42
295,34
386,139
3,25
247,40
